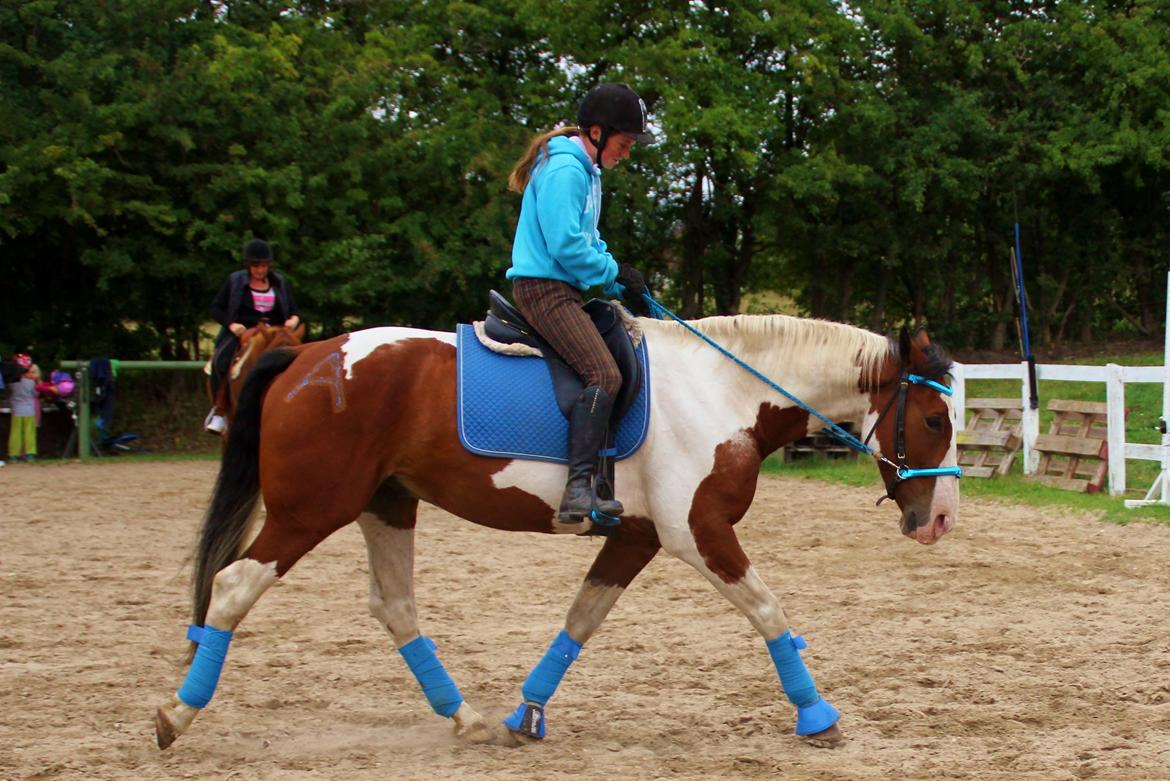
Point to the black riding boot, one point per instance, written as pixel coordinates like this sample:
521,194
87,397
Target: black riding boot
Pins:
588,422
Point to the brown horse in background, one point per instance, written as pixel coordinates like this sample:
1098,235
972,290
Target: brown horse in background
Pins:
254,342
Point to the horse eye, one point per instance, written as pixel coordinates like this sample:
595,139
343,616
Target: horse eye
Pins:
934,422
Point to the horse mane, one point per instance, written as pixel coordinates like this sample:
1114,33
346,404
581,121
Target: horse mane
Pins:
274,335
782,343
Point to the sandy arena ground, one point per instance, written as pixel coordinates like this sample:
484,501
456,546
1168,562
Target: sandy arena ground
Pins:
1023,646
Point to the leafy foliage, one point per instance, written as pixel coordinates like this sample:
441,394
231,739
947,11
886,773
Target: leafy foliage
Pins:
868,159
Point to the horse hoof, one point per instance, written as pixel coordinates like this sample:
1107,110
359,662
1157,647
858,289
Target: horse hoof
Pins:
477,733
829,738
164,732
511,737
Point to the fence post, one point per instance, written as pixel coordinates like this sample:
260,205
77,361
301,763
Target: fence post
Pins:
1029,423
83,418
1115,418
959,396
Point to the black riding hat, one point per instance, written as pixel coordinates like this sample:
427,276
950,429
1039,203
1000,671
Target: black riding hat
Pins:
616,108
257,251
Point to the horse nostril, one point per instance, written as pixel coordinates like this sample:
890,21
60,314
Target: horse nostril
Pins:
940,524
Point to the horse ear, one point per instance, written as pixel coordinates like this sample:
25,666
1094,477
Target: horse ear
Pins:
905,345
299,331
913,348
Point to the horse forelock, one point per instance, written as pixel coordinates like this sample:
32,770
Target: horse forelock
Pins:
782,344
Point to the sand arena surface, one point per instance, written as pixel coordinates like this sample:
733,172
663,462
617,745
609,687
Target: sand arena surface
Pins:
1024,646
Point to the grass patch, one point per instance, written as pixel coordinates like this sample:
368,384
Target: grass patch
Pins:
1015,489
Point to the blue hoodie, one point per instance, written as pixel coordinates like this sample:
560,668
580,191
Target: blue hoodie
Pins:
557,236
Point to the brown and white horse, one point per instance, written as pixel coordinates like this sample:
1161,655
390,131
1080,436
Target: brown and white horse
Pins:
363,427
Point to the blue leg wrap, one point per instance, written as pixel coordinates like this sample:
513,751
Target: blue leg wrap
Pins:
203,676
440,690
541,684
813,714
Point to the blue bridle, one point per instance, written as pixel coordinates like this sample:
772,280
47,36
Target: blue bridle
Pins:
901,471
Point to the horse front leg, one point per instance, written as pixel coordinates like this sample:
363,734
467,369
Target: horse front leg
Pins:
621,558
389,535
714,550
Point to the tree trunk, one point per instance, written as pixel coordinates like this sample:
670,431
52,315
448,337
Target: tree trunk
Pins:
694,248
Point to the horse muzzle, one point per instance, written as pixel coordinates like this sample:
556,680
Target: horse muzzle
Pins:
925,521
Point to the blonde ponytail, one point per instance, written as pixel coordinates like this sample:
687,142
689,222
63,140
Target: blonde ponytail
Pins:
522,171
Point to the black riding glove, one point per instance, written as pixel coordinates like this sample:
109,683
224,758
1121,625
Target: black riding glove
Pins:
634,286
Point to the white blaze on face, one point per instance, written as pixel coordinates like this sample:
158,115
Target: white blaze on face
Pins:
944,503
361,344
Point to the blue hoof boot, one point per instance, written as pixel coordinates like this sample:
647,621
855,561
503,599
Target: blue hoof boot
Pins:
815,718
527,720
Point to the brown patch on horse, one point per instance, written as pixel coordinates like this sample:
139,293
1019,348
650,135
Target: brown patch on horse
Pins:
627,550
394,505
726,493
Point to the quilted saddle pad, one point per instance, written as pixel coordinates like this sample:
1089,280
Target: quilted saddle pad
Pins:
507,408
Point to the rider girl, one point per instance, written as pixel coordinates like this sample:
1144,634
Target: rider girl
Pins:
558,253
251,296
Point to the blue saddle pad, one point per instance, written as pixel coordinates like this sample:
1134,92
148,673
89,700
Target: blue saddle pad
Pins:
507,407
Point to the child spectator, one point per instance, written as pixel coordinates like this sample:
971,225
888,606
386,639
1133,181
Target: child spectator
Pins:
22,436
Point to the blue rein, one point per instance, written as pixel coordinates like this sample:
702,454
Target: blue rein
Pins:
832,429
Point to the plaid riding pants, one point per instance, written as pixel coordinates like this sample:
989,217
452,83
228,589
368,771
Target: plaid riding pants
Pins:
553,308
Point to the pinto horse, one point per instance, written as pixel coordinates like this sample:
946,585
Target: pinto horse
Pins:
362,427
254,342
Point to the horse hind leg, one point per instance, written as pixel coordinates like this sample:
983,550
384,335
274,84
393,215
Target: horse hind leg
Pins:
235,590
621,558
388,528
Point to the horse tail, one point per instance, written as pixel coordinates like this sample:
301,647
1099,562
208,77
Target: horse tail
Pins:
237,487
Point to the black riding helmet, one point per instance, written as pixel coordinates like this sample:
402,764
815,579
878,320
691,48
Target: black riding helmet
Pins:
616,108
257,251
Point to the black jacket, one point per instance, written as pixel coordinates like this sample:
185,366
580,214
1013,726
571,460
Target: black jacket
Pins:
232,304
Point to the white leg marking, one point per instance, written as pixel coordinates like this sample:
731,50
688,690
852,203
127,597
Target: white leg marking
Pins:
391,555
756,601
235,589
750,594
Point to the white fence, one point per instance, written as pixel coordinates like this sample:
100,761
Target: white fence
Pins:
1114,376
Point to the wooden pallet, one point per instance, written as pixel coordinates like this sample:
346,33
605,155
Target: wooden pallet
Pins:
819,444
1074,454
992,438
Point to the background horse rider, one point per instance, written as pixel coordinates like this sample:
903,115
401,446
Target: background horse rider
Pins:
252,295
